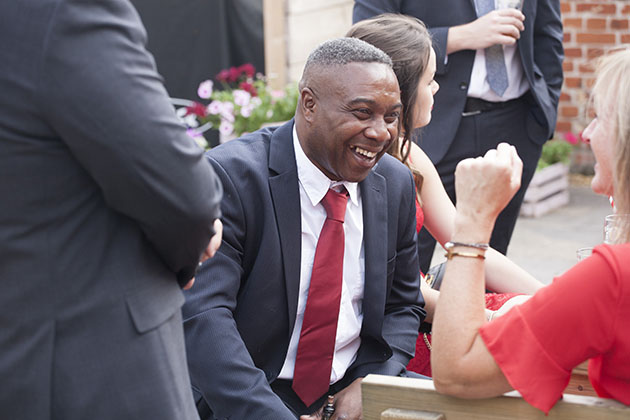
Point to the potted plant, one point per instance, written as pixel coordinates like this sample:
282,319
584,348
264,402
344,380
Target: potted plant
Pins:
549,188
242,104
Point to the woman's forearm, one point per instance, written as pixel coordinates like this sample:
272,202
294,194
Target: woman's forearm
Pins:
430,300
460,312
504,276
460,362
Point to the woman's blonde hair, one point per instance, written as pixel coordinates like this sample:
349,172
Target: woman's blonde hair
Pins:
610,95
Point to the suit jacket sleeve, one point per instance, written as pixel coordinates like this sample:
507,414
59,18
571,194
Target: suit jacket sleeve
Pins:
221,368
100,91
548,49
364,9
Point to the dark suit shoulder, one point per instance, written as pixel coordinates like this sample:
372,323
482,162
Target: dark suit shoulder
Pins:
398,178
389,166
250,148
244,157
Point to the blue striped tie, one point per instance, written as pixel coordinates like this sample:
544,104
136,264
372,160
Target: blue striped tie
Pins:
495,62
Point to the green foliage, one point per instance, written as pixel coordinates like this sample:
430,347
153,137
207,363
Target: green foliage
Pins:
555,151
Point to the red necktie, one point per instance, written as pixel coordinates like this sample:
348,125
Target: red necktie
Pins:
313,363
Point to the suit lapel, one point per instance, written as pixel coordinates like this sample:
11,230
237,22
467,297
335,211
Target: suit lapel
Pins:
528,9
283,184
525,42
374,202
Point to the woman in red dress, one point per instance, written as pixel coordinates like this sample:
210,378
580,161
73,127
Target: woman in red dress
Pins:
583,315
406,40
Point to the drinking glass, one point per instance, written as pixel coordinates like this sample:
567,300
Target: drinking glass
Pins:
509,4
583,253
613,227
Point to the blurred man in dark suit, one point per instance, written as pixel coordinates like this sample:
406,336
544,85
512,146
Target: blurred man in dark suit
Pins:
106,207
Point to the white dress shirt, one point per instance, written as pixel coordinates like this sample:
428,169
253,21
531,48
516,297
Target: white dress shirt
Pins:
517,82
313,187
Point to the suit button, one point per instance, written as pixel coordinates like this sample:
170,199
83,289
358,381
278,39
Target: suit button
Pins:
463,86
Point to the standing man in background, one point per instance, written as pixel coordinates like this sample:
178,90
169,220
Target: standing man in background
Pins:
106,206
500,74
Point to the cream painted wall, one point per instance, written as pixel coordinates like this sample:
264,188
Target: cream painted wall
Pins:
310,22
294,27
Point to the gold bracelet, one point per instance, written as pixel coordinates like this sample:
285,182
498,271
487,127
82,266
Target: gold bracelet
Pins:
450,254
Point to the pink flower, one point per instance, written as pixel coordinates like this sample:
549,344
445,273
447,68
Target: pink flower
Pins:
241,97
226,128
215,107
246,111
570,138
227,111
205,89
248,69
234,74
223,76
277,94
248,87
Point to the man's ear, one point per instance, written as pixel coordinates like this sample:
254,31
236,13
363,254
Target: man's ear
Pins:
308,104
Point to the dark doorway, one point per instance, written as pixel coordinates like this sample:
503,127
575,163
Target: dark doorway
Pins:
192,40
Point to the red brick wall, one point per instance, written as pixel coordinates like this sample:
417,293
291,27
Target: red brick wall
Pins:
591,27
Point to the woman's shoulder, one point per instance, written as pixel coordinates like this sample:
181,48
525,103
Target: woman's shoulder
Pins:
615,255
417,159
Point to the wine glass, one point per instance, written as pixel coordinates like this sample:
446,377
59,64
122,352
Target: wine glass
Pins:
583,253
509,4
613,227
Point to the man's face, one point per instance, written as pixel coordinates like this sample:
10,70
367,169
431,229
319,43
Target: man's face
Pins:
352,114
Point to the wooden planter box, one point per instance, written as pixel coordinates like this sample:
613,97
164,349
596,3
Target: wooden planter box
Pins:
548,191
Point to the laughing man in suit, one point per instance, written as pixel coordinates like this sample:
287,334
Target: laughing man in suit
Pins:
244,318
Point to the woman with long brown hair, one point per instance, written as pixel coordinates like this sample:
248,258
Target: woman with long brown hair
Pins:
406,40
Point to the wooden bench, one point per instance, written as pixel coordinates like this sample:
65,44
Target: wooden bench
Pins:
395,398
579,383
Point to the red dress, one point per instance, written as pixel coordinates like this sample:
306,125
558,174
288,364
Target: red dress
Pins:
421,363
584,314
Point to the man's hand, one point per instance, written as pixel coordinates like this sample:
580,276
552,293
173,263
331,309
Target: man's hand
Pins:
347,404
211,249
501,27
215,241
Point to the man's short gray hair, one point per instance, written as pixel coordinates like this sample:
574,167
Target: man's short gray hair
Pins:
340,51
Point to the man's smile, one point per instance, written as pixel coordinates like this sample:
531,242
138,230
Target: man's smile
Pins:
363,152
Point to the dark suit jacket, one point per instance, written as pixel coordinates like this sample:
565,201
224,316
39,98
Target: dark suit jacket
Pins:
540,48
105,204
239,316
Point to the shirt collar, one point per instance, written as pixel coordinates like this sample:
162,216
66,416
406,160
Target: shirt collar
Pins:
314,182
